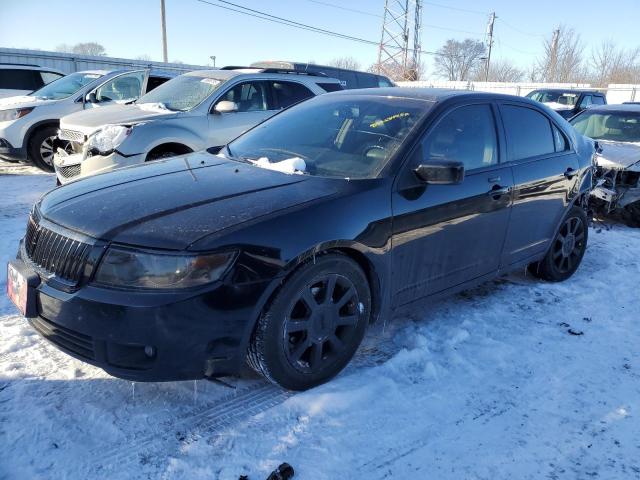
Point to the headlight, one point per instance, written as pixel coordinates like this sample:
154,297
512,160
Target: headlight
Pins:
14,113
130,268
109,138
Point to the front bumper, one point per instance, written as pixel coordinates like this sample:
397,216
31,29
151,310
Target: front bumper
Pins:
144,336
75,166
10,153
12,146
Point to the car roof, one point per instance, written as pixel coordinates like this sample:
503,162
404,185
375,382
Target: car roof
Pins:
431,94
566,90
621,108
248,72
19,66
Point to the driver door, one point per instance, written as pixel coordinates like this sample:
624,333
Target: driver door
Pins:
254,104
446,235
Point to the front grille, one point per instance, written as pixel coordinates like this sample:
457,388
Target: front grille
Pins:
65,338
69,171
56,254
71,135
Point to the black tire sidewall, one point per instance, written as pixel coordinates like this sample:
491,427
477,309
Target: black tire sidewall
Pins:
547,268
33,147
271,343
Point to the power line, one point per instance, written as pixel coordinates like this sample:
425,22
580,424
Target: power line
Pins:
327,4
515,29
457,9
437,27
291,23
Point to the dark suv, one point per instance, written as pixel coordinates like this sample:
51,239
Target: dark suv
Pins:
568,102
283,246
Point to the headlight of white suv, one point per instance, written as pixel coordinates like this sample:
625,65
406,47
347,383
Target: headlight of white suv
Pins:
14,113
109,138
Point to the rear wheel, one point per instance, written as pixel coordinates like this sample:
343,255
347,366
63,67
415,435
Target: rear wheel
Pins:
567,248
314,325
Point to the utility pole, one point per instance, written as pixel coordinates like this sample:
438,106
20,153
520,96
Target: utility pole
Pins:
164,32
553,56
492,19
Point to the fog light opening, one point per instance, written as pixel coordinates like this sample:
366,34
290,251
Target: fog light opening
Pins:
150,351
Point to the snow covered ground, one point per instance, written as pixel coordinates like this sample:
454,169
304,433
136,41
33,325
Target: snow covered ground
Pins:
486,385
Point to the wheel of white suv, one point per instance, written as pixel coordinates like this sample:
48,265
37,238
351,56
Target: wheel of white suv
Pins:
40,148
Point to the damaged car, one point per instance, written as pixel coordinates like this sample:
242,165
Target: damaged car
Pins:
568,102
616,128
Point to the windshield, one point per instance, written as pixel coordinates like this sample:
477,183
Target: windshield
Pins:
614,126
182,93
66,86
565,99
333,136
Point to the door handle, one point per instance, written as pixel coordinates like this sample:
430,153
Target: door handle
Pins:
570,173
498,191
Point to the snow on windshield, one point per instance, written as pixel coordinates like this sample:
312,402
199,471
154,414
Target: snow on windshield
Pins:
290,165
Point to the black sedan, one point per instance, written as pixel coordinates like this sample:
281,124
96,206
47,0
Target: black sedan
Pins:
283,246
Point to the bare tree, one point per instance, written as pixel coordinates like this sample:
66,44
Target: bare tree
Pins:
500,71
87,48
610,64
349,63
562,59
457,60
398,74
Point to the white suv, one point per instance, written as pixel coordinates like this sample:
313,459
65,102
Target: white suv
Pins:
29,124
19,79
191,112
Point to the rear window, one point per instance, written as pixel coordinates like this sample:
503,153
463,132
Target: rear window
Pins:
288,93
330,87
19,79
528,132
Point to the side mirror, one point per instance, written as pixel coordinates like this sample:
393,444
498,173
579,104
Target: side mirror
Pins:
91,97
438,172
225,106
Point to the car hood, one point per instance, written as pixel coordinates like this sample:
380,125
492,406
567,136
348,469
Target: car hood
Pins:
23,101
175,202
619,155
90,120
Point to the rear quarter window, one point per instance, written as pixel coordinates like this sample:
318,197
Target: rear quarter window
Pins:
528,132
330,87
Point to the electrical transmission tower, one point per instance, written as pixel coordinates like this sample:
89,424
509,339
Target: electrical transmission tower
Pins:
393,52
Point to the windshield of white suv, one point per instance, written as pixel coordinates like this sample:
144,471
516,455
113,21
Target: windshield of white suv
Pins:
613,126
332,136
182,93
65,86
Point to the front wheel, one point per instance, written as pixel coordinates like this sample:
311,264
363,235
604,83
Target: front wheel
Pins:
567,248
314,325
40,148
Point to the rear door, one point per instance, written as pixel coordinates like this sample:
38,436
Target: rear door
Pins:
545,167
445,235
254,102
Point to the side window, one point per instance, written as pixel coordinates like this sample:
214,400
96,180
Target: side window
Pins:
330,87
48,77
288,93
367,80
528,132
586,101
124,87
598,100
560,141
467,134
18,79
154,82
383,82
249,97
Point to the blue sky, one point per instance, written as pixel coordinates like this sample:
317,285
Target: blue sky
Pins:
196,30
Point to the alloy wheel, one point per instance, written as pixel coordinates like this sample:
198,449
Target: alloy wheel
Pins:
569,244
46,150
320,322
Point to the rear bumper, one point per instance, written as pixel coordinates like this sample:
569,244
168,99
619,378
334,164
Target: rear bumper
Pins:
151,336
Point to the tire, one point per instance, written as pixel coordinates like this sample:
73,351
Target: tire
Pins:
630,214
159,156
304,337
567,248
40,148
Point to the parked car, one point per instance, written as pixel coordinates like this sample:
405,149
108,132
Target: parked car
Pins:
19,79
29,124
568,102
191,112
617,131
348,78
284,245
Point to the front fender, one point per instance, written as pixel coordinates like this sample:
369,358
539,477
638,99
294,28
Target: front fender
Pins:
145,138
